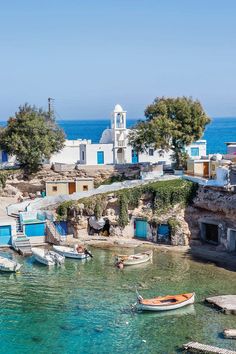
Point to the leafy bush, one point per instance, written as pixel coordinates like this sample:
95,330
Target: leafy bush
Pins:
123,215
164,194
173,225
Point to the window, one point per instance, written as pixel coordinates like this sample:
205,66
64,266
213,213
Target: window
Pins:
194,151
85,188
83,155
54,188
151,152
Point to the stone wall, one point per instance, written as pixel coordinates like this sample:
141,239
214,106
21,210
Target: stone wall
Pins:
36,182
213,206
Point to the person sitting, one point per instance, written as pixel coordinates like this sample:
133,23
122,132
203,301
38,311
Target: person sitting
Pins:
80,249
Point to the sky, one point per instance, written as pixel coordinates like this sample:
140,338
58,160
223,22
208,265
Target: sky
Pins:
90,55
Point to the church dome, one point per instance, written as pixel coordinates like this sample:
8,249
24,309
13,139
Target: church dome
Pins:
106,137
118,108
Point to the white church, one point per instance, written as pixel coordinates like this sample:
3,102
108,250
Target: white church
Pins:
113,148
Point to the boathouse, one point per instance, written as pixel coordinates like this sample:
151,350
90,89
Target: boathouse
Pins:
66,187
33,225
7,231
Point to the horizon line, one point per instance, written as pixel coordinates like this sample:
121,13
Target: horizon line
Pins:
108,119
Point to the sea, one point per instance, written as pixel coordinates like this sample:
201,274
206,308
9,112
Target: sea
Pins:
85,307
219,131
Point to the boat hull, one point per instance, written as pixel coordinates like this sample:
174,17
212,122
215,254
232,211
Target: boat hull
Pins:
7,265
163,307
47,258
69,252
135,259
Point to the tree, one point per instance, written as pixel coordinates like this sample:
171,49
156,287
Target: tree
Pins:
31,136
171,123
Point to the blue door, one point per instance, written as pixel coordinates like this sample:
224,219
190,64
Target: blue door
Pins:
134,156
141,228
5,235
4,156
100,157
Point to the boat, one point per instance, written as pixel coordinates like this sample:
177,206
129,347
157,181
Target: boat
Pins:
8,265
70,252
133,259
165,303
47,257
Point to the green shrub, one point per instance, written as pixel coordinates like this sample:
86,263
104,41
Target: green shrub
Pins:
173,225
123,215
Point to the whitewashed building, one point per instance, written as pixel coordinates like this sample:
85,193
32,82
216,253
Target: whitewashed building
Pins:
113,148
6,160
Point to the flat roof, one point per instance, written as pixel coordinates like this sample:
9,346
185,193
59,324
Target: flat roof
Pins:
6,220
77,179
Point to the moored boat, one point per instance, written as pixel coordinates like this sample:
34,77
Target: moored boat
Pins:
165,303
70,252
8,265
47,257
134,259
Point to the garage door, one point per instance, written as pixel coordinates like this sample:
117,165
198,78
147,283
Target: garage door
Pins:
141,228
5,235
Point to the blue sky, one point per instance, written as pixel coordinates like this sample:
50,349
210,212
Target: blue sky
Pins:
90,55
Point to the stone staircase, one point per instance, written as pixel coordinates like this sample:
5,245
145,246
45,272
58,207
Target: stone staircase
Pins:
21,243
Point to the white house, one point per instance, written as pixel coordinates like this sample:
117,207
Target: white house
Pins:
197,150
6,160
114,148
70,154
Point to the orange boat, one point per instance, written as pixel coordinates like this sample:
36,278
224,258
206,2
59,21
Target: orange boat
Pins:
165,303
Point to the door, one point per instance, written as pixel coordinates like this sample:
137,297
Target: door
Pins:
5,235
205,169
100,157
72,187
232,241
141,228
134,156
211,233
4,156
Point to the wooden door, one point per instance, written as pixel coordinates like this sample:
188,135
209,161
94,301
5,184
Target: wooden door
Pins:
206,169
72,187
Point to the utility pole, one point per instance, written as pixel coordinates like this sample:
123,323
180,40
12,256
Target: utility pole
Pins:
51,108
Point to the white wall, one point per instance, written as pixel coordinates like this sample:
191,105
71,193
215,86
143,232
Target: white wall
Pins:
90,153
201,145
70,154
11,160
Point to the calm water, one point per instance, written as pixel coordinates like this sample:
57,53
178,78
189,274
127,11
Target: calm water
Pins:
217,133
85,307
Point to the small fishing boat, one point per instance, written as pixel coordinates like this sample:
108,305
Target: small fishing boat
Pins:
47,257
165,303
8,265
70,252
134,259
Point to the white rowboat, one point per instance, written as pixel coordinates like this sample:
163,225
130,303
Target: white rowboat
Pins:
70,252
7,265
134,258
46,257
165,303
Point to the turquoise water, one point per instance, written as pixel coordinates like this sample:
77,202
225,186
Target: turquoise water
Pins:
85,307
